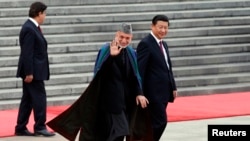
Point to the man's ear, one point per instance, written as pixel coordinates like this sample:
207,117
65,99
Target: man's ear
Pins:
40,13
152,25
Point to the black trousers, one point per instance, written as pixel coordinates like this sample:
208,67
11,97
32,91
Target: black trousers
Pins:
157,132
159,118
33,98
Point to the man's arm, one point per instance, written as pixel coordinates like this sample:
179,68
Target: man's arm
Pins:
142,58
27,50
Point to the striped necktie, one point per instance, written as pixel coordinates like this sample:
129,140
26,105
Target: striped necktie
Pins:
161,47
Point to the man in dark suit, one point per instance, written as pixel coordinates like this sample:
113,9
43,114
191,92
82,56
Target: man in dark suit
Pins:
33,68
156,71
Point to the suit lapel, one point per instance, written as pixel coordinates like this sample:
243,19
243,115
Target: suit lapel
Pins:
155,46
39,33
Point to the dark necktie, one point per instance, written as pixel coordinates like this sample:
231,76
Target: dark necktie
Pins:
39,28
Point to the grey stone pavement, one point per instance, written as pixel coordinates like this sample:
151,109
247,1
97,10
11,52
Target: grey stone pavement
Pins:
195,130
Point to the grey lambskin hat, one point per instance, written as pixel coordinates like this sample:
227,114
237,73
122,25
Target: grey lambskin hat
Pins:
126,28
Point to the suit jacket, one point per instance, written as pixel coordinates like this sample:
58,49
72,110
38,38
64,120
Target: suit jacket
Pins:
157,79
82,114
33,57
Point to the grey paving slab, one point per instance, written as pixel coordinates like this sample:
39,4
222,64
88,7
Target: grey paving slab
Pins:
195,130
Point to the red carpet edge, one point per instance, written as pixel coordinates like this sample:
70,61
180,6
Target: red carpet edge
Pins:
183,109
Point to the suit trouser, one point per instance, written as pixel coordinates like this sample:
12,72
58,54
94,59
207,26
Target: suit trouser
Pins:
33,98
157,132
159,119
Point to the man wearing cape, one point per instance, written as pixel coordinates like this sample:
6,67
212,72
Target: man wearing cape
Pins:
83,115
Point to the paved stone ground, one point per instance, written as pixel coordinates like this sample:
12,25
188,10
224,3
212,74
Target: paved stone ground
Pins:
195,130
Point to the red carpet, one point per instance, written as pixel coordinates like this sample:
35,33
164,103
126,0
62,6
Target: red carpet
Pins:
184,108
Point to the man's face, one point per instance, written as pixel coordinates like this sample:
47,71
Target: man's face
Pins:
160,29
41,17
123,39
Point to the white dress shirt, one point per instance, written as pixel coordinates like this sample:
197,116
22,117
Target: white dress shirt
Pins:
164,51
34,21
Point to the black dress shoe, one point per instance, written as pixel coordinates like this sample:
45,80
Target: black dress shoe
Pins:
24,133
44,132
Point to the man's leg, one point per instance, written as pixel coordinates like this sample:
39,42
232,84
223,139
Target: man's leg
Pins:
25,109
158,132
39,104
159,119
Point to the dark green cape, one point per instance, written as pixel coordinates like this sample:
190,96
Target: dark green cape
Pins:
81,115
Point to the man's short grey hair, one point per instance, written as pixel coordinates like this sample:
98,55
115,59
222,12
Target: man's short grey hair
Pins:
126,28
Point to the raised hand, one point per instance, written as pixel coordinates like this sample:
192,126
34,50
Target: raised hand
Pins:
114,48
